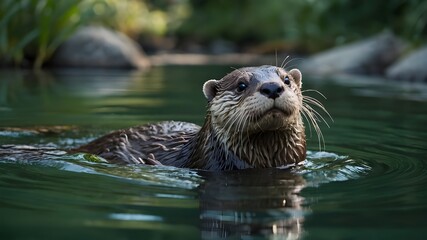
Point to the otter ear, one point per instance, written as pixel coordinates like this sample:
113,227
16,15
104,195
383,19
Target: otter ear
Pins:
210,89
297,76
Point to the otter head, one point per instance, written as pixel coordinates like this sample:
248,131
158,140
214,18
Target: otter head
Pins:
255,99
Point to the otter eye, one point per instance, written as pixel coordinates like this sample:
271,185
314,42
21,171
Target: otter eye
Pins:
241,87
287,81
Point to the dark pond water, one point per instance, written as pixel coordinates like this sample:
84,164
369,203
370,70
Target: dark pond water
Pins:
369,183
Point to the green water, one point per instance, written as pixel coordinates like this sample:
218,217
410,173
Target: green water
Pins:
369,183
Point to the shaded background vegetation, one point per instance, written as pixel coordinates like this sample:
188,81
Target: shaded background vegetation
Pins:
309,24
31,30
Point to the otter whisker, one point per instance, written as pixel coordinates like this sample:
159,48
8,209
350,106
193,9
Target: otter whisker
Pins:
310,102
315,114
314,90
291,60
312,117
307,100
318,115
314,100
307,105
308,121
284,62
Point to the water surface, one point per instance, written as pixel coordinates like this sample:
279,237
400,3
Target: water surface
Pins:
368,183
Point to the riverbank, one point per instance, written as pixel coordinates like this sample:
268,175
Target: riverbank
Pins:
385,55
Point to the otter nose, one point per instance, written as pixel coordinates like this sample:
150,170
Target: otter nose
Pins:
271,90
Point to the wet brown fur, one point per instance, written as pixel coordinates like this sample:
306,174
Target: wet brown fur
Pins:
242,129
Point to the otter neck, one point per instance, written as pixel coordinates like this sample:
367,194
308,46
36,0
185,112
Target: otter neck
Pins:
262,149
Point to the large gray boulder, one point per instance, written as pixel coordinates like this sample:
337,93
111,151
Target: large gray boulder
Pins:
367,57
99,47
411,68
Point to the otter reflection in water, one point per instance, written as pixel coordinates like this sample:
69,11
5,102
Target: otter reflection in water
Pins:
253,120
262,202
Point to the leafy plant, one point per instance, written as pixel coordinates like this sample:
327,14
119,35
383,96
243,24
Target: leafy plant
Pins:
37,27
33,29
56,21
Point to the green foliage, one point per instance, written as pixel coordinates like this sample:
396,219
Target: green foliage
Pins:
38,27
35,28
310,24
131,17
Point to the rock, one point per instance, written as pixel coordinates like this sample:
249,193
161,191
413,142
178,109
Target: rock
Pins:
220,46
370,56
410,68
99,47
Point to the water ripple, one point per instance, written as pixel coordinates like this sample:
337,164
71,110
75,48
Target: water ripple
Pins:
389,180
325,167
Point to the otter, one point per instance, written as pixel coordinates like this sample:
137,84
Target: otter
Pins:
253,120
